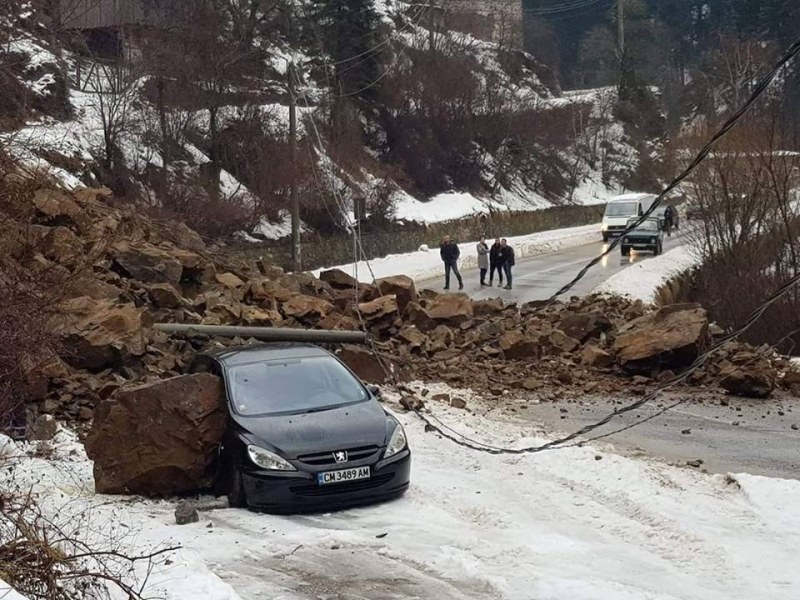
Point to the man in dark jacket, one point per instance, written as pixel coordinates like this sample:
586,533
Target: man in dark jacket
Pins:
494,262
450,253
507,259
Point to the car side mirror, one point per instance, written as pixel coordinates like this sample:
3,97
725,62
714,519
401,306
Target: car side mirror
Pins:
375,391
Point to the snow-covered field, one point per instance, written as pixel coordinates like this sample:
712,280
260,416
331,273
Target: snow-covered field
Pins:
577,524
642,280
426,263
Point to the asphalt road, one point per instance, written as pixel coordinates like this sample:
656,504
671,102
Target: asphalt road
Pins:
727,435
539,277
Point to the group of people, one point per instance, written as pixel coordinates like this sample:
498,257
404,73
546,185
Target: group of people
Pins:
499,258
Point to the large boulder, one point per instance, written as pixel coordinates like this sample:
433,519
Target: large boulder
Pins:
672,337
487,308
450,309
147,263
164,295
400,286
62,245
101,333
158,439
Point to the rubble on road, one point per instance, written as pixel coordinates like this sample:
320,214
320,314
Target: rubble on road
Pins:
127,272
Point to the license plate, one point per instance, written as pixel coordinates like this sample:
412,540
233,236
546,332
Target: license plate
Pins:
343,476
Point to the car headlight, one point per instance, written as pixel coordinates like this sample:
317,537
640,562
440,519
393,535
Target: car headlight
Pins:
605,226
397,442
268,460
652,240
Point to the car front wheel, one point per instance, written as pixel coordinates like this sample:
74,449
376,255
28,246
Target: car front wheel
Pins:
605,238
237,497
626,251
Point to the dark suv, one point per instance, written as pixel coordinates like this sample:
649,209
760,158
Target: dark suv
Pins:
648,236
304,432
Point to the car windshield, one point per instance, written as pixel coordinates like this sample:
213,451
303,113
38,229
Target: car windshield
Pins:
648,225
297,385
622,209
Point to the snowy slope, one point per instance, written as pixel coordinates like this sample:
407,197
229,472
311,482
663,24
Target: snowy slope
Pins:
577,524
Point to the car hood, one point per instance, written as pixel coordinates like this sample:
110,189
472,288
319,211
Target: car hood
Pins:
644,233
353,426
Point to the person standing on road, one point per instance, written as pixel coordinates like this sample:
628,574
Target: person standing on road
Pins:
450,254
507,260
494,263
483,259
669,218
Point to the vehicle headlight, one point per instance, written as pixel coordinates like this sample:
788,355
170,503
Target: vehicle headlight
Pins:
397,442
268,460
605,226
653,240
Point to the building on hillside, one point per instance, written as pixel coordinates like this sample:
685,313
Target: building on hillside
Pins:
103,14
495,20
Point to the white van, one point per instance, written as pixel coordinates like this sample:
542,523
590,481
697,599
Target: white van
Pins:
622,208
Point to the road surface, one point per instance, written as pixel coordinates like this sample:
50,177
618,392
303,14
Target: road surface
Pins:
735,437
539,277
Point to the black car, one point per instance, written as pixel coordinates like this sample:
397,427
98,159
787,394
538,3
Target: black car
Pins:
648,236
304,432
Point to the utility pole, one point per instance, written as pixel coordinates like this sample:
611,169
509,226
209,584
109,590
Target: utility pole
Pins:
431,25
621,29
297,259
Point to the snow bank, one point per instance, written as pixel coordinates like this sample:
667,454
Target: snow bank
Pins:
426,264
642,280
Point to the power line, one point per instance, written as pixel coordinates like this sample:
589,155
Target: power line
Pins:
562,8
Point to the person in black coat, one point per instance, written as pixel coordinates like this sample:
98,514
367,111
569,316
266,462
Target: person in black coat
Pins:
450,254
507,260
494,262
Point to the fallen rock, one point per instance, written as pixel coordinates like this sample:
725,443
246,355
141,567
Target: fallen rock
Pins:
381,309
185,514
158,439
459,403
672,337
517,346
338,279
164,295
441,339
229,280
400,286
363,363
147,264
585,326
451,309
486,308
43,428
748,381
62,245
98,334
306,309
596,357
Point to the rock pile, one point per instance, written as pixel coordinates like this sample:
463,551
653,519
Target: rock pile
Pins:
127,272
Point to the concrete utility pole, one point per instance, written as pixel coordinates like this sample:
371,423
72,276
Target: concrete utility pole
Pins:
297,258
621,28
431,25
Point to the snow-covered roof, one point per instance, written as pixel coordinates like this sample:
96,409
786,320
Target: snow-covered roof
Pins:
631,197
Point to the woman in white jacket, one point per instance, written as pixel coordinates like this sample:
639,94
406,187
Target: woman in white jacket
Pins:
483,259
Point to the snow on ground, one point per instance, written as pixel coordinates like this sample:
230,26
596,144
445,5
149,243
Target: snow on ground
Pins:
642,280
426,263
7,593
577,524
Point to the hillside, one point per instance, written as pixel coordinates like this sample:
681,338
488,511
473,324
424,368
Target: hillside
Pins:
195,121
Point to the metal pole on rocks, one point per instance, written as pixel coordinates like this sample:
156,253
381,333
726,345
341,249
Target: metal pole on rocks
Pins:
266,334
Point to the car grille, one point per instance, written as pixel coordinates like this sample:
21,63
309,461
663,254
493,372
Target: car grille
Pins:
616,227
322,459
639,240
341,488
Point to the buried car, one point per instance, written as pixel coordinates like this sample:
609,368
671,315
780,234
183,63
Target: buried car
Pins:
648,236
304,432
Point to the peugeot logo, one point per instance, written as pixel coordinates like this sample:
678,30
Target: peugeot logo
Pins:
340,457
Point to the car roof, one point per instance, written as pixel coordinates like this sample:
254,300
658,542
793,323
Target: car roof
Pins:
230,357
630,197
